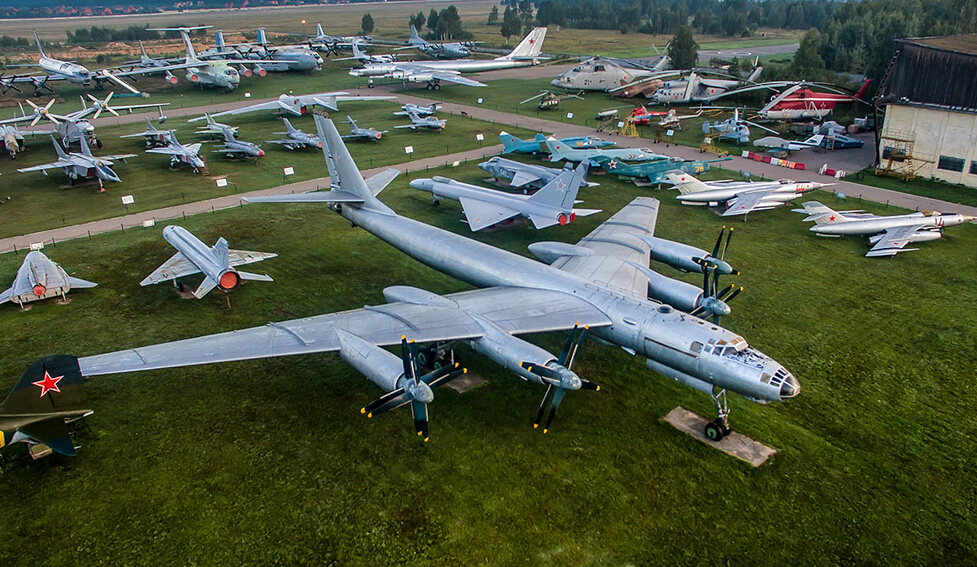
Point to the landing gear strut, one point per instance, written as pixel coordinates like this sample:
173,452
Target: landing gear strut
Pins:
719,427
433,86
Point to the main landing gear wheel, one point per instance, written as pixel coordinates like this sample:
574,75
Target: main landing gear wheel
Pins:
718,428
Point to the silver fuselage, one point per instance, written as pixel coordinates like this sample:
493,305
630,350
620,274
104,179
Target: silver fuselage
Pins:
876,225
202,256
675,343
779,192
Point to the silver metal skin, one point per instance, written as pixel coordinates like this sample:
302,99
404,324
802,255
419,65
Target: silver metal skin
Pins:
551,205
741,198
296,139
189,154
423,111
602,74
217,263
510,352
560,151
427,123
694,87
82,165
296,105
384,369
888,235
238,148
39,278
522,175
202,74
357,133
433,72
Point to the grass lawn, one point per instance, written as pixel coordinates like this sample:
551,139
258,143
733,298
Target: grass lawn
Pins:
41,202
270,462
930,188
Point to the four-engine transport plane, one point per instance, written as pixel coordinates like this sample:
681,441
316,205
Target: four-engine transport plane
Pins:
218,264
40,278
523,176
484,207
560,151
537,145
887,235
49,396
434,72
296,139
179,153
599,282
455,50
740,197
357,133
296,105
82,165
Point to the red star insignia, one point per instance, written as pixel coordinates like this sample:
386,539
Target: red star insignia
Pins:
532,41
831,218
48,383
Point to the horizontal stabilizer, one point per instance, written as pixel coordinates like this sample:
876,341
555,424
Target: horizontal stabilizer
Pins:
254,277
522,178
204,288
52,432
541,222
585,212
380,181
317,197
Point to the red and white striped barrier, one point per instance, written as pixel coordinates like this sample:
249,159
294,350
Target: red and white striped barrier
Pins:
836,173
772,160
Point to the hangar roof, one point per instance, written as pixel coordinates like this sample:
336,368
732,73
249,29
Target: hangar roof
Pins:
936,72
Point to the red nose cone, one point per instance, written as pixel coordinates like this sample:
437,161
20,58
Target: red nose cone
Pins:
261,153
319,144
39,289
379,135
172,80
229,280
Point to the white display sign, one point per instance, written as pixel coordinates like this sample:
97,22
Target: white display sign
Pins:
569,115
289,171
222,182
127,200
247,95
479,137
669,132
35,246
456,164
479,101
149,223
620,124
408,149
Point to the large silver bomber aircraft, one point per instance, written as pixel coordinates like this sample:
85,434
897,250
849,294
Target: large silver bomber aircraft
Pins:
600,283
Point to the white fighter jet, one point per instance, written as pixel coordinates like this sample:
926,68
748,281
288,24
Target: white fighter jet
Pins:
887,235
40,278
218,264
740,197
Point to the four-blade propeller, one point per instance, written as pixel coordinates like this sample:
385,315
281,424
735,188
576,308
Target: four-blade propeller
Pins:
714,303
559,377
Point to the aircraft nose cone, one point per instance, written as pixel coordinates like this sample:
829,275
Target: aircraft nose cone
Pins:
422,184
261,153
790,388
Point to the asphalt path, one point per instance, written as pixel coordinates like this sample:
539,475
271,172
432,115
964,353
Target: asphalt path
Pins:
559,129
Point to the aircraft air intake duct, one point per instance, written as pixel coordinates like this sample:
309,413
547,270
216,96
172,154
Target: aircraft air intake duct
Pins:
228,280
171,78
680,295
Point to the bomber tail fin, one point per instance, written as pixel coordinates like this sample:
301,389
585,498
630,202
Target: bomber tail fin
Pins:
38,41
530,45
51,384
262,37
414,38
562,191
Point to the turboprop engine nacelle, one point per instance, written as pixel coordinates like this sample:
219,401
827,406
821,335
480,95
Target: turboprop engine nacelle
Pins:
680,256
379,366
508,351
680,295
922,236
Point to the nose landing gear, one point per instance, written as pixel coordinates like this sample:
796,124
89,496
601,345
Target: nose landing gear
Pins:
718,428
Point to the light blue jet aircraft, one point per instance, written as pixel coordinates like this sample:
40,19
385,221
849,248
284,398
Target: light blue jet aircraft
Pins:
538,145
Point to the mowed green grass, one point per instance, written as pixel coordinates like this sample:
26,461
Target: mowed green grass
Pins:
39,202
270,461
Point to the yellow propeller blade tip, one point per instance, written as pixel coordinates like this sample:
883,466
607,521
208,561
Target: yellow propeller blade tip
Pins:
403,337
426,438
369,414
464,371
535,425
598,389
362,410
419,433
544,431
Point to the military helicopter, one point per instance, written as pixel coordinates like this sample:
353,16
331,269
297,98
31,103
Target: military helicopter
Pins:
549,100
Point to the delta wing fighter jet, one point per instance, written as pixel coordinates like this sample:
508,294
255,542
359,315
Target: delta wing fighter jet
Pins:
296,139
740,197
213,129
560,151
887,235
234,148
218,264
296,105
537,145
524,176
484,207
179,153
49,395
357,133
82,165
597,286
40,278
155,138
428,123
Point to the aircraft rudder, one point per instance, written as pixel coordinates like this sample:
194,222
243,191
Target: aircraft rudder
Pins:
49,384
